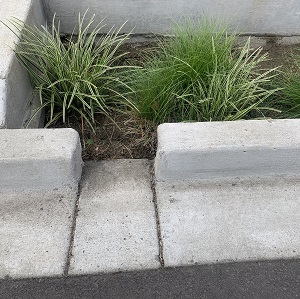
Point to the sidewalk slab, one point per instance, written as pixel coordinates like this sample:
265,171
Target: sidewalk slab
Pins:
35,229
116,225
216,222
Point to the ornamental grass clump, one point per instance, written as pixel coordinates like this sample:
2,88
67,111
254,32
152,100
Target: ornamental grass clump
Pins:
201,75
79,77
288,100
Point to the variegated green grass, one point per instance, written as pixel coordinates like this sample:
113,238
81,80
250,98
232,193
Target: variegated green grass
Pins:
289,97
81,77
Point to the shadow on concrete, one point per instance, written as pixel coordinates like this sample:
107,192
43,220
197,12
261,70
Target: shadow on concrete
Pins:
266,279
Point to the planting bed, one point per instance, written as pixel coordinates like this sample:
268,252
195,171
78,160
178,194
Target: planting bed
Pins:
130,137
127,135
124,135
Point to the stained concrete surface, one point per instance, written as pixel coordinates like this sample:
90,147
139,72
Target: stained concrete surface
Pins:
35,230
236,220
115,223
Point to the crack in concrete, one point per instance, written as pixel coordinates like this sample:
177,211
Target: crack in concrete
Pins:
73,229
160,241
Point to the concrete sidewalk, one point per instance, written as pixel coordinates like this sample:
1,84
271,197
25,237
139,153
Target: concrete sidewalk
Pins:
124,218
114,238
110,227
113,225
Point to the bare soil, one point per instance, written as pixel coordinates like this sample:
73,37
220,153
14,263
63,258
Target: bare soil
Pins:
121,137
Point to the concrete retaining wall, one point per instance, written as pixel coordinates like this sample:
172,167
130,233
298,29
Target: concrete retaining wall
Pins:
15,87
155,16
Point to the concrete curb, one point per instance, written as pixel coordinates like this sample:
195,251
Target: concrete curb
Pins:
39,174
42,159
228,191
255,148
114,224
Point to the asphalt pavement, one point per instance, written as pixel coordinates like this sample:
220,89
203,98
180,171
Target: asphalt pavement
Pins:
267,279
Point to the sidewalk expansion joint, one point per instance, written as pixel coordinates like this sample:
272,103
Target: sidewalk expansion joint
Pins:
160,242
73,229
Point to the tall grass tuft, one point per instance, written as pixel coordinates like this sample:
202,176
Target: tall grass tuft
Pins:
200,75
289,97
81,76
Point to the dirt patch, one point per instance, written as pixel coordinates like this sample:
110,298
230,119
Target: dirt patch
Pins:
122,136
135,52
280,55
